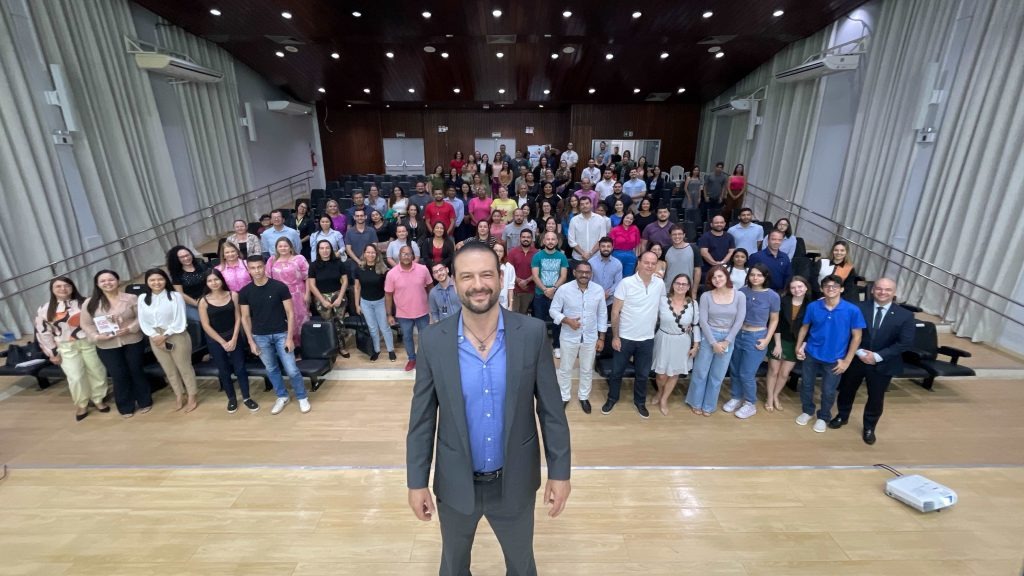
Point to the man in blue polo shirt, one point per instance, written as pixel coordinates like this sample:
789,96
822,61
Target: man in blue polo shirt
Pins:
776,260
827,344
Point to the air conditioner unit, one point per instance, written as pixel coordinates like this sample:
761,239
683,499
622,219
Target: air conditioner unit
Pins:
289,107
818,67
178,68
733,107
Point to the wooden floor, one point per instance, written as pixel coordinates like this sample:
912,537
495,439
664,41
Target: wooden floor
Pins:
323,493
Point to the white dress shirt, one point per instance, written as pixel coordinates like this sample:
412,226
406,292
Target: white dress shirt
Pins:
570,157
585,232
162,316
593,173
871,322
589,307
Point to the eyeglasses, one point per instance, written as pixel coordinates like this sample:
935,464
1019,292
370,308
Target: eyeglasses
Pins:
831,287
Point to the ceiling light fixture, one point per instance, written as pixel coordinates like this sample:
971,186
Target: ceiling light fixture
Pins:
286,15
321,90
426,14
349,105
569,49
567,14
637,14
719,54
456,90
778,13
279,54
444,54
500,54
389,54
429,49
501,90
714,49
357,14
546,91
547,35
540,105
335,55
496,12
449,35
366,90
707,14
554,55
387,105
412,90
636,90
681,90
664,55
609,56
592,90
214,11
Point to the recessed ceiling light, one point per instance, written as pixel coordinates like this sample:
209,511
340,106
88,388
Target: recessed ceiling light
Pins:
778,13
214,11
366,90
357,14
456,90
567,14
487,106
546,91
547,35
501,90
707,14
286,15
496,12
719,54
568,49
592,90
444,54
335,55
681,90
321,90
389,54
637,14
429,49
636,90
279,54
664,55
387,105
449,35
500,54
609,56
349,105
554,55
540,105
426,14
714,49
412,90
291,49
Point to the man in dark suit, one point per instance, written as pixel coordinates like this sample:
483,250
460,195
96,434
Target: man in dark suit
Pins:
479,376
890,331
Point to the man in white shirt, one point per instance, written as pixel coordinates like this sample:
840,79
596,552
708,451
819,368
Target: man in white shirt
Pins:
634,316
635,187
579,307
746,233
586,231
592,171
605,186
570,156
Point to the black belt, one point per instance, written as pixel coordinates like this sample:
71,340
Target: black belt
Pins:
487,476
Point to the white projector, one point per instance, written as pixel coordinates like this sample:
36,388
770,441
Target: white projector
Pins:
919,492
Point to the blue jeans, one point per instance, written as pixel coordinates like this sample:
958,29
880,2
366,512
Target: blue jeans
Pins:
376,317
707,375
746,358
228,363
274,356
407,325
642,352
829,384
542,311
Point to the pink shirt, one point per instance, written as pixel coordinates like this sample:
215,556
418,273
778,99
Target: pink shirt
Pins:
623,239
237,276
408,287
480,209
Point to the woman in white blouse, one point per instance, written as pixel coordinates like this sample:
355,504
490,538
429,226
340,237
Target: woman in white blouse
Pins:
162,318
508,278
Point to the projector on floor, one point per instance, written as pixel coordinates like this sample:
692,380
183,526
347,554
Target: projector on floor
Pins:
921,493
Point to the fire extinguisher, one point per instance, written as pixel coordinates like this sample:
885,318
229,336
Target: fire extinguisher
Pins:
312,157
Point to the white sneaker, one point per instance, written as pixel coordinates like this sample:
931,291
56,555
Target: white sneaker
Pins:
279,405
803,419
304,405
820,426
558,353
731,405
746,411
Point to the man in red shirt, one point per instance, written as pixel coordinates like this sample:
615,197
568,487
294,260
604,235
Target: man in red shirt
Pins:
440,211
521,258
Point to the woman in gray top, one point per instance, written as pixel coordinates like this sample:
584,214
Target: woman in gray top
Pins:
722,310
692,187
762,318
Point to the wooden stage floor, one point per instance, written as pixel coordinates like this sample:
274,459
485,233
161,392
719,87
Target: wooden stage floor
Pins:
323,493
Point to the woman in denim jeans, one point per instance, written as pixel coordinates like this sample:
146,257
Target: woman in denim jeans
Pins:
369,296
759,323
722,310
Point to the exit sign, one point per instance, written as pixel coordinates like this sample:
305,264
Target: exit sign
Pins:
495,134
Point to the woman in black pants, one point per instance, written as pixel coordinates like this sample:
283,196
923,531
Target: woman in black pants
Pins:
110,320
221,320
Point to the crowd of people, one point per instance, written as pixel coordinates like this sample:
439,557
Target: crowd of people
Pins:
595,260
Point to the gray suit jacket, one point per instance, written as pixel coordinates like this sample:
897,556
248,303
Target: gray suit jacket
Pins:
438,407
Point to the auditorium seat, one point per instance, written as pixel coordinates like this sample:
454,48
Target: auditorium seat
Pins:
17,354
925,355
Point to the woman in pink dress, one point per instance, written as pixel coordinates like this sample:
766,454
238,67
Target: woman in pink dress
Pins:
288,267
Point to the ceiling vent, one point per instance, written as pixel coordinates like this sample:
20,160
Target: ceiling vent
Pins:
658,96
501,39
717,39
285,40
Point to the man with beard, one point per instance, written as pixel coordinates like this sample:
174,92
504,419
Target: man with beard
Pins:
484,373
659,231
579,308
406,288
521,259
716,245
549,267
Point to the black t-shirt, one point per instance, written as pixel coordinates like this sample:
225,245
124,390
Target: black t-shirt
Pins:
192,283
371,284
327,274
266,306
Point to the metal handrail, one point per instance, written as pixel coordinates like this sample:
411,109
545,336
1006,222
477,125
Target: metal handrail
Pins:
841,231
214,209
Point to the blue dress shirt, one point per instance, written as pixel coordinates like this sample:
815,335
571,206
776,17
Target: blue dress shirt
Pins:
483,390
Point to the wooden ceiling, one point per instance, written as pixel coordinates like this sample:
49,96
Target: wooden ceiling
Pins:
466,31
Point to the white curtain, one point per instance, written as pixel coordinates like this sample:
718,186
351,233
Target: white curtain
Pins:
969,217
216,147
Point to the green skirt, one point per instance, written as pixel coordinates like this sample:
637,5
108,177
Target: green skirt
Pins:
788,350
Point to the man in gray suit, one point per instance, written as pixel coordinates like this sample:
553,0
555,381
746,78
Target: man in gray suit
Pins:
481,372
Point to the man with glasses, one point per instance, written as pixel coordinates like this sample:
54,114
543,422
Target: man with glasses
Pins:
579,308
889,333
444,302
827,344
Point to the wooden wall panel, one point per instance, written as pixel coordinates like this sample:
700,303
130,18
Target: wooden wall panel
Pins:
355,145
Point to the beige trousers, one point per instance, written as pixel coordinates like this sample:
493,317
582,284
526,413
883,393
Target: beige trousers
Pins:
177,363
87,377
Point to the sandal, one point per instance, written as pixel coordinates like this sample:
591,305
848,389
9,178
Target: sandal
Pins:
345,354
769,407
